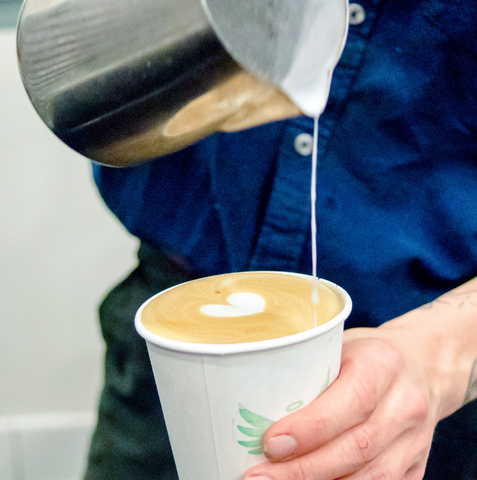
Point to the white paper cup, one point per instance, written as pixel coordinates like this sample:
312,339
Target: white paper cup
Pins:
218,400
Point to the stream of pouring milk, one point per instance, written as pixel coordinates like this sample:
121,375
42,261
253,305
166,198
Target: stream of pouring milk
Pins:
311,98
315,298
307,82
312,102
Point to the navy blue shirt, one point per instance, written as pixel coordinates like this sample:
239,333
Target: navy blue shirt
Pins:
396,181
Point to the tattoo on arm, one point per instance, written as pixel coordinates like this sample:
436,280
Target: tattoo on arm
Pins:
459,299
471,393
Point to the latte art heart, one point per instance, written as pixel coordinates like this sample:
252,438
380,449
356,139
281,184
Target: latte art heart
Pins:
239,308
240,305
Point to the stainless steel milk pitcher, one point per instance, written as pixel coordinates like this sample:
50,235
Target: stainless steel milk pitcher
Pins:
124,81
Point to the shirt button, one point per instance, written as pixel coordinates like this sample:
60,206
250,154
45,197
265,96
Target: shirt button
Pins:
304,144
357,14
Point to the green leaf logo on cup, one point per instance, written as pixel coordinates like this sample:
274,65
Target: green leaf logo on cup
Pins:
261,424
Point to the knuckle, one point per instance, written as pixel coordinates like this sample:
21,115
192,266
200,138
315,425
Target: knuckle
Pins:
366,395
319,427
392,359
380,472
383,354
422,449
418,406
300,470
416,472
363,445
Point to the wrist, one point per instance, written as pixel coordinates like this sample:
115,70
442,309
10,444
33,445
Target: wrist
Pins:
440,338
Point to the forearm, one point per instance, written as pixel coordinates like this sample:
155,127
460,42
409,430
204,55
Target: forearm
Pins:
443,334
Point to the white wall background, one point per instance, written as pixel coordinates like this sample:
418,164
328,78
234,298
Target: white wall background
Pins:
60,251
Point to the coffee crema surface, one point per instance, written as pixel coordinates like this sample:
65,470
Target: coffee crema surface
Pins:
240,308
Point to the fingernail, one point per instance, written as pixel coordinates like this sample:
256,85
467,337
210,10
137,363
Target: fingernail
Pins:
280,447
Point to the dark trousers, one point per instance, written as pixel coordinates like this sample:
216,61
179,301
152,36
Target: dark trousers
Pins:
131,442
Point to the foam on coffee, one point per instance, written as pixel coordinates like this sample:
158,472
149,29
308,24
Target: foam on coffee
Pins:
239,308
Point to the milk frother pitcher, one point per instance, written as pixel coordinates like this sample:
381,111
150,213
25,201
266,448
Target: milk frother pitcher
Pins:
125,81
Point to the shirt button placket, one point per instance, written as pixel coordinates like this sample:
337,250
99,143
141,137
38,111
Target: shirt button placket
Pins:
286,223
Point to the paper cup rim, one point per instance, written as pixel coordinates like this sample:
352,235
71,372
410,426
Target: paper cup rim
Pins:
237,348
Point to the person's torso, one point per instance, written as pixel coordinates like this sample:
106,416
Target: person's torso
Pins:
396,182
